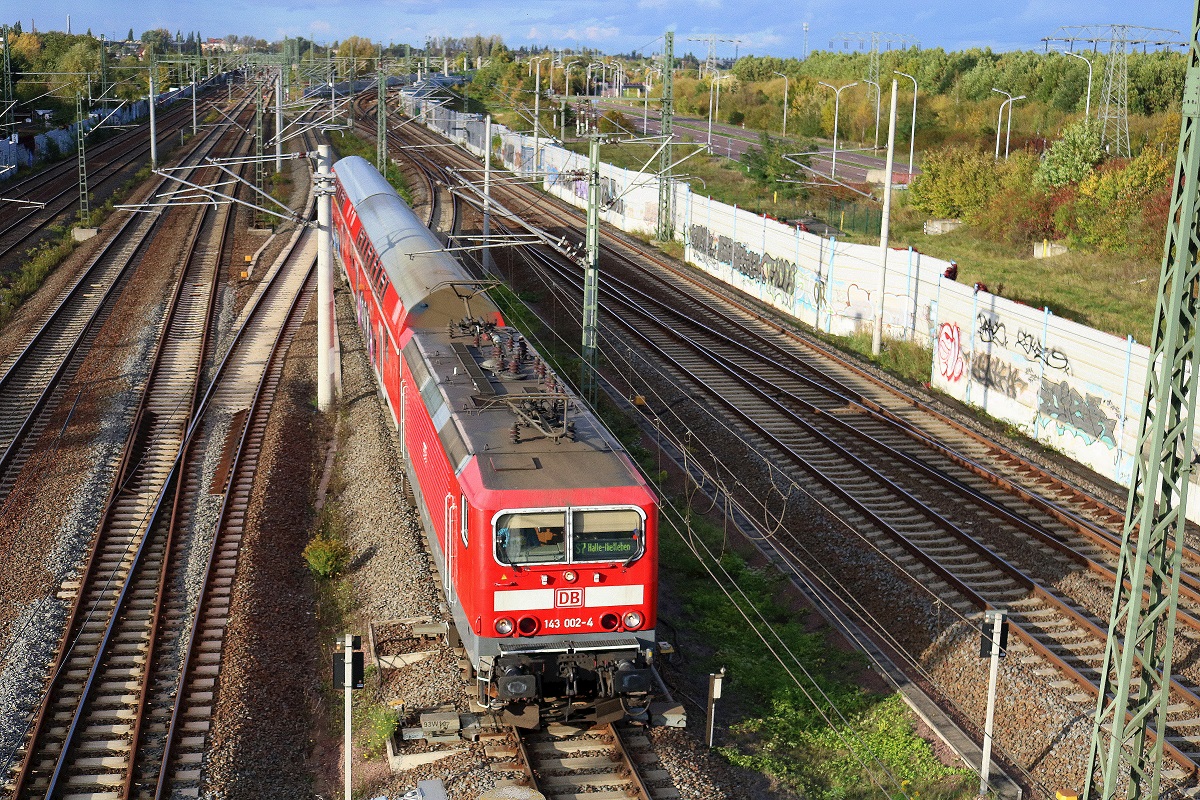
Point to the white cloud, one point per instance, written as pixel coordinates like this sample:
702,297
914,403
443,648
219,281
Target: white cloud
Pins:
533,33
597,32
319,26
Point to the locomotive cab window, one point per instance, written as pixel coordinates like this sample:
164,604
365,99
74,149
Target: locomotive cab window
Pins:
532,538
592,535
606,535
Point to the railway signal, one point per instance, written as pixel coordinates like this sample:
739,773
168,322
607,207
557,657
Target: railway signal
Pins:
993,644
348,673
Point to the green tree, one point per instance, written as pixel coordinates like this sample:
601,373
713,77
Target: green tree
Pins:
1073,157
955,181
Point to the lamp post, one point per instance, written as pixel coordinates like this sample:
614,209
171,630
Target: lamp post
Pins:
648,76
567,78
1000,118
877,99
912,134
785,100
1087,108
837,101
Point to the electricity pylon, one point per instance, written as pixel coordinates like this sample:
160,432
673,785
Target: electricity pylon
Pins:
1135,681
1114,96
875,39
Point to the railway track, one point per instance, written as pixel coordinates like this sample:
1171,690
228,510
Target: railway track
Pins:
34,377
58,184
603,762
928,499
136,669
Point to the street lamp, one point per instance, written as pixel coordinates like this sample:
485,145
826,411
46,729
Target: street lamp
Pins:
567,77
785,100
912,136
1087,108
648,77
1008,102
877,93
837,101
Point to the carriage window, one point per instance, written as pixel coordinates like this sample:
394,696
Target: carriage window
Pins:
608,535
532,538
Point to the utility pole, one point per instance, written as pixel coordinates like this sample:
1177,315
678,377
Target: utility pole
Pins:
591,274
381,154
877,330
9,97
487,193
84,209
153,121
278,121
260,168
876,39
666,221
1135,680
327,367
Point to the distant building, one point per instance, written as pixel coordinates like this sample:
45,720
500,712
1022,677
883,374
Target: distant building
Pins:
215,46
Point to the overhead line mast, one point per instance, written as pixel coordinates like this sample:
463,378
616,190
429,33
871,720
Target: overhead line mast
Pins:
1135,680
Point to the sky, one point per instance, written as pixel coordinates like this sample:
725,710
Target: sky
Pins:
765,27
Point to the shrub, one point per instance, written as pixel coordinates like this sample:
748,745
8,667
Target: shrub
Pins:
326,556
381,723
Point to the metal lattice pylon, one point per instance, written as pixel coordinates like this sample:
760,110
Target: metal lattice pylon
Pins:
666,220
1114,95
1135,681
875,39
8,97
80,132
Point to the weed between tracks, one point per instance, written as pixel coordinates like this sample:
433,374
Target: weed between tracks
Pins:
328,556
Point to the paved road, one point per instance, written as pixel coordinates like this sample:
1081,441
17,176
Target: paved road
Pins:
732,141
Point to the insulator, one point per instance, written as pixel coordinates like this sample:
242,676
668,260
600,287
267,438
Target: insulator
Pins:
523,349
478,338
514,366
515,434
497,353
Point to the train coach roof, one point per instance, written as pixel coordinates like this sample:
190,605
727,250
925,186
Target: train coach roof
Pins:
396,234
481,400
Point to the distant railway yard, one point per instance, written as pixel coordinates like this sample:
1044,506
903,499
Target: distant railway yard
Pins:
476,479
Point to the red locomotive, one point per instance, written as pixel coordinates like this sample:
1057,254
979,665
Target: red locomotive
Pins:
542,530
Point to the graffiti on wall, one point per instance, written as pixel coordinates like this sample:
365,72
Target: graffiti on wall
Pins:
1052,357
998,375
777,273
950,361
1083,415
991,330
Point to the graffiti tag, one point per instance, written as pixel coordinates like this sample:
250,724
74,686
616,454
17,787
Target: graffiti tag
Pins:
1083,415
998,375
949,352
1051,357
777,273
991,329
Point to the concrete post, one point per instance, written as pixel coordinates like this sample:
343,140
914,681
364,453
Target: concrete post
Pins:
326,353
153,121
877,334
279,123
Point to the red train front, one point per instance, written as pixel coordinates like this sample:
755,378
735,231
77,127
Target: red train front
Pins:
542,530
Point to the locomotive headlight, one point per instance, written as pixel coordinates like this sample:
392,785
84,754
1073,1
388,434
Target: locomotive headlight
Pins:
633,620
504,626
569,576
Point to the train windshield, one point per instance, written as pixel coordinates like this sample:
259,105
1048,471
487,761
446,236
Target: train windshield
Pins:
544,537
538,537
606,535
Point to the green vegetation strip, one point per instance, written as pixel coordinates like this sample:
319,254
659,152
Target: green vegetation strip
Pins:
351,144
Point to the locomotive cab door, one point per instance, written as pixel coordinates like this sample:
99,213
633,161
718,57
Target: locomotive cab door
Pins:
451,522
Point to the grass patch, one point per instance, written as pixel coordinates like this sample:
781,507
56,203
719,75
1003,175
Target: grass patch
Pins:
906,360
821,735
351,144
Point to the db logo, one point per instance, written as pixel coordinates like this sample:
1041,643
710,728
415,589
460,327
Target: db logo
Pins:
568,598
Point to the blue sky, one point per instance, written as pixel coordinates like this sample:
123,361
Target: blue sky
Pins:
767,27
